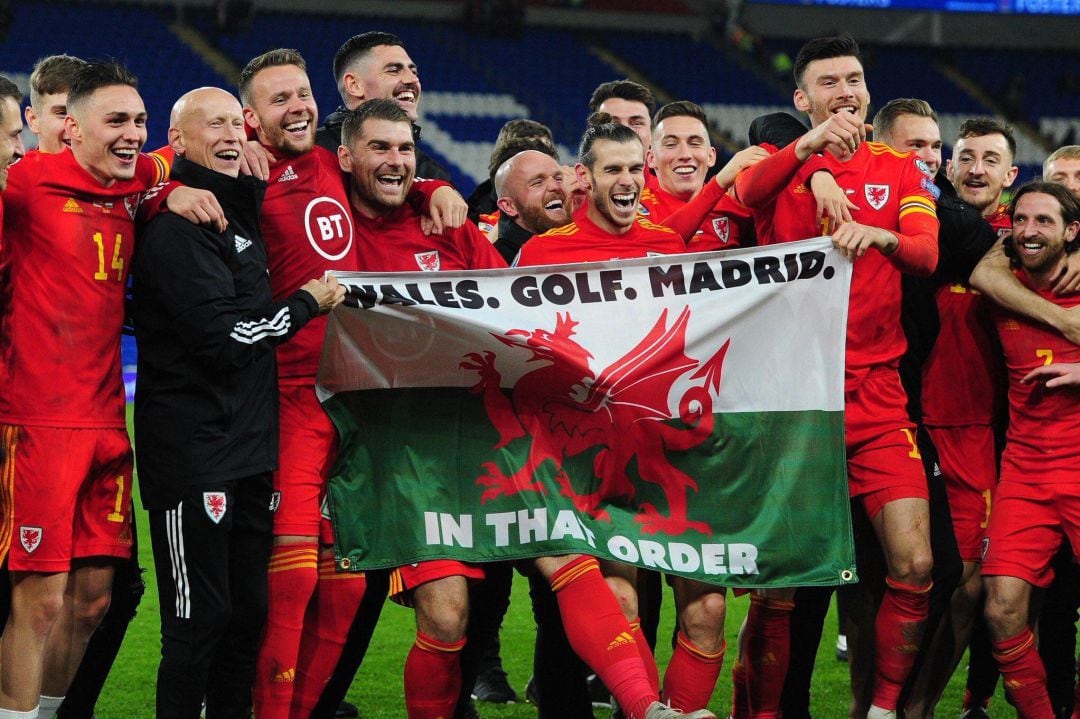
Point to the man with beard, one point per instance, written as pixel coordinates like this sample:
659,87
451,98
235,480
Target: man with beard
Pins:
1036,496
612,164
532,199
308,230
894,231
375,65
379,155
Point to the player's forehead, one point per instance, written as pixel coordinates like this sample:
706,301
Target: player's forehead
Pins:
621,109
10,115
908,128
1064,165
610,152
382,56
1038,204
279,79
115,100
680,127
844,66
52,100
992,143
385,132
530,164
209,106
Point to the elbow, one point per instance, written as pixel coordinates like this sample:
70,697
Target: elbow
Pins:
978,279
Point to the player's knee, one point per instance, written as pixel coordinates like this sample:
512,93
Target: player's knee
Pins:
43,612
969,592
444,620
915,569
625,595
703,621
87,612
1004,616
448,627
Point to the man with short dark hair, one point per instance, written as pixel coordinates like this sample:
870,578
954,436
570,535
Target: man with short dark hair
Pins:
894,230
611,164
206,328
375,65
49,83
628,103
1035,498
982,166
681,155
308,230
69,232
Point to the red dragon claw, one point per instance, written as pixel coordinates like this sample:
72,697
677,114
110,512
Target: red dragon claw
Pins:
484,365
499,485
652,521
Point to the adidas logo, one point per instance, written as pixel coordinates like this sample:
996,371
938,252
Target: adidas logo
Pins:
623,639
72,206
285,677
242,244
288,175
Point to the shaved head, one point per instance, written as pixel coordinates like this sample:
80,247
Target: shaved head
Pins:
206,126
530,190
188,103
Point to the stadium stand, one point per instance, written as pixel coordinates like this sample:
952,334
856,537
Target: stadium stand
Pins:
474,83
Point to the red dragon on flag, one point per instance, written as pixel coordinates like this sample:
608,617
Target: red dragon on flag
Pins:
566,409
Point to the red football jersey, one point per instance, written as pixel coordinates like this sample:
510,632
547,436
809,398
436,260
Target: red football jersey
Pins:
964,376
308,230
68,243
395,243
583,241
723,227
489,222
1041,445
892,193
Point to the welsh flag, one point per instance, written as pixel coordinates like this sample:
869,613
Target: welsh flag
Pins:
681,413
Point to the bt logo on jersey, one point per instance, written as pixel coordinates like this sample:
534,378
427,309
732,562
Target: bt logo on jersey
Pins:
329,228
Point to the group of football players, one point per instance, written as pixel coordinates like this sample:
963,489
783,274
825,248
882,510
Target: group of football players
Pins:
961,306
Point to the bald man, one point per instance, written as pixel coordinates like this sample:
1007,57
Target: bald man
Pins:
206,414
532,199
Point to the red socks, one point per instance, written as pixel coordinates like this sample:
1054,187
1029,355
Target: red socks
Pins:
970,701
599,634
291,577
432,678
738,691
326,626
647,657
1023,675
898,631
691,675
768,649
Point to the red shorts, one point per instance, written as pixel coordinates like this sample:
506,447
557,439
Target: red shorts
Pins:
407,578
968,465
308,446
70,495
1026,528
883,459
